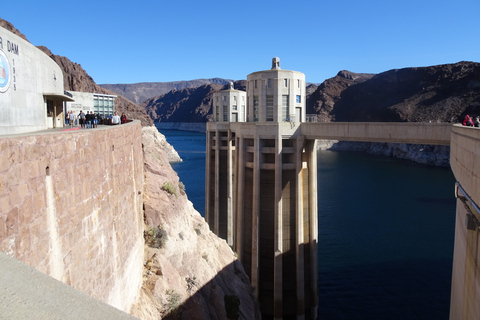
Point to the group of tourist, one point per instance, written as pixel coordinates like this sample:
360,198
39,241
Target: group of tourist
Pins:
470,122
90,119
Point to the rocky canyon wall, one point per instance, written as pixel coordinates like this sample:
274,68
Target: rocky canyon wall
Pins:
71,206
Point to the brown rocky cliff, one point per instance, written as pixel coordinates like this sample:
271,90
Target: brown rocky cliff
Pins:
442,93
192,274
7,25
140,92
322,99
186,105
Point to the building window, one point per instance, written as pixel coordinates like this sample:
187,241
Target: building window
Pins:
285,108
225,113
217,113
255,108
298,83
255,84
299,99
269,83
234,107
103,106
269,115
285,81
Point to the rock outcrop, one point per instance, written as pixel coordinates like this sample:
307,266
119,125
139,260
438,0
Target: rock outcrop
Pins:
190,273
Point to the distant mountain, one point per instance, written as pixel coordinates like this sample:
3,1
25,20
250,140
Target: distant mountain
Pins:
139,92
186,105
442,93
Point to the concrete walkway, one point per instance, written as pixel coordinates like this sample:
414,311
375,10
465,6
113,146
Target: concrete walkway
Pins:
26,293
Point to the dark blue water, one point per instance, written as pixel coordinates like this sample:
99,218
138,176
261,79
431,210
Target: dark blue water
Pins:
386,231
386,235
191,171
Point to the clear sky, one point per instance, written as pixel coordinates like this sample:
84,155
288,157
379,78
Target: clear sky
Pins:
155,41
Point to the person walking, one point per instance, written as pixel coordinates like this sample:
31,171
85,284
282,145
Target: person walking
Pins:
72,118
88,118
81,119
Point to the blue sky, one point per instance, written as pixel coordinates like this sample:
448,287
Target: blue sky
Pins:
154,41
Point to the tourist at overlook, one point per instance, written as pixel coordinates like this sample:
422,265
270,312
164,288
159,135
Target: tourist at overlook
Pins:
95,120
476,123
88,119
81,119
468,121
72,120
116,118
123,118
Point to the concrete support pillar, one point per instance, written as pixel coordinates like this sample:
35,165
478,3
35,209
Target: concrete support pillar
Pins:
311,149
216,229
207,176
278,235
229,190
300,259
255,214
240,187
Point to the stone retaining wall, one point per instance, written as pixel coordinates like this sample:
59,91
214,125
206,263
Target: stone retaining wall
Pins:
71,206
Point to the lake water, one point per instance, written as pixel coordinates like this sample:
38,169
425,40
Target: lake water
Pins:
386,231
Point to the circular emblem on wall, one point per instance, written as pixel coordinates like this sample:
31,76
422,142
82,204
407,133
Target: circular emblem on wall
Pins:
4,72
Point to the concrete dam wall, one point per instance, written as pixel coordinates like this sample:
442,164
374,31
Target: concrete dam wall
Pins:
71,206
465,164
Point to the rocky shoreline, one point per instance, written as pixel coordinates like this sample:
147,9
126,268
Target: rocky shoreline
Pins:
426,154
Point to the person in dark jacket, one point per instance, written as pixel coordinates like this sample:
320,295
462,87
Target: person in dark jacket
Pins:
81,119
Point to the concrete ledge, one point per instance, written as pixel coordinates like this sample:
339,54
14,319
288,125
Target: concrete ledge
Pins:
26,293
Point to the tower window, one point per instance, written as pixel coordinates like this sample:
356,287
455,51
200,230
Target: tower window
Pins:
285,108
269,115
255,108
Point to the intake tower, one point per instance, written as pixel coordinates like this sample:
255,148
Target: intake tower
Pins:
261,193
